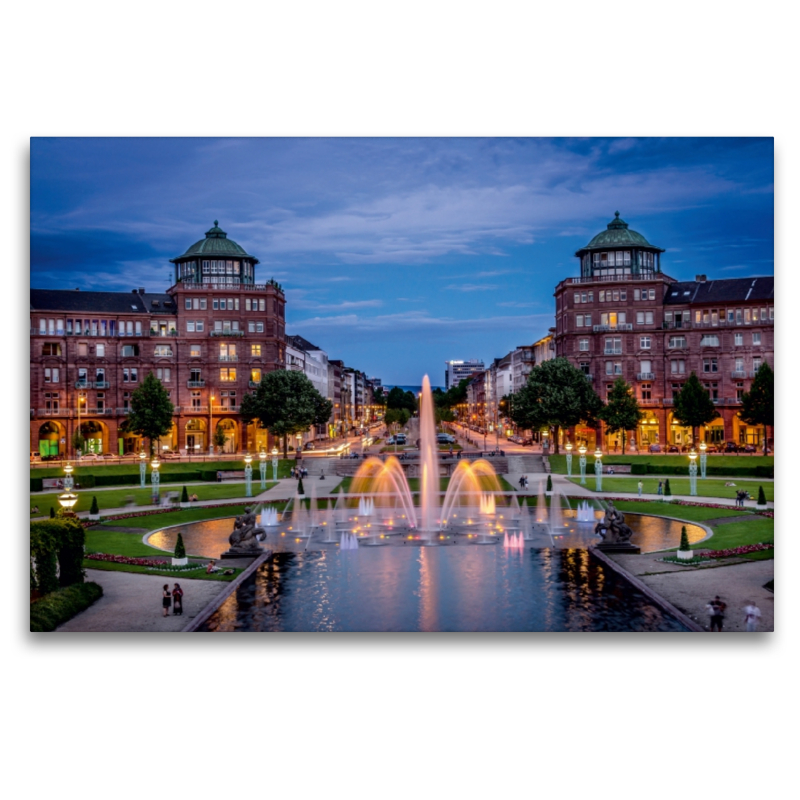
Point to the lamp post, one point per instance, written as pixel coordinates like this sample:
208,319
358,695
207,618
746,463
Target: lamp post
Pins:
582,462
67,501
210,423
143,469
68,482
598,470
568,448
262,465
693,472
248,475
155,478
274,463
703,459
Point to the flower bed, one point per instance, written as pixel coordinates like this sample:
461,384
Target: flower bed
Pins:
738,551
137,562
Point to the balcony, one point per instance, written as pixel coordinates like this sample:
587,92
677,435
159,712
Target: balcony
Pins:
226,333
612,352
589,377
225,410
192,410
295,367
752,373
676,326
228,358
83,384
649,402
102,385
196,384
641,276
254,384
645,376
53,412
620,326
159,333
726,401
121,412
738,373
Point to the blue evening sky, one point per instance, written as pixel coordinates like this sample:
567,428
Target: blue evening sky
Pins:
398,254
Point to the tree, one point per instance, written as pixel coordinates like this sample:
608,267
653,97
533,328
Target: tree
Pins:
180,548
693,405
397,398
95,509
78,442
758,405
621,412
762,497
400,416
556,394
684,540
219,438
184,497
285,403
150,412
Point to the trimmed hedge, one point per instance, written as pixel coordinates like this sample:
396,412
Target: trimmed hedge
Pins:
720,472
57,550
37,485
56,608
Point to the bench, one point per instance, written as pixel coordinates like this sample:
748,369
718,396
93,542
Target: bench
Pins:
52,483
229,475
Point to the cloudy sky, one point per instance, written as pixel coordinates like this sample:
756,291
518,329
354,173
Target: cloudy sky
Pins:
398,254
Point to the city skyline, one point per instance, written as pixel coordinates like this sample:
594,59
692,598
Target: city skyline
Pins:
398,254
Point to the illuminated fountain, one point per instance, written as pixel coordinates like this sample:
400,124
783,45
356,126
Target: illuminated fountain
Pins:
269,517
585,512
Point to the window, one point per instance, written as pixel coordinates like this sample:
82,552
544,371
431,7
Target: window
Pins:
709,341
227,352
101,402
51,375
100,349
52,349
163,351
738,339
134,375
652,294
138,329
51,402
616,295
577,297
644,317
194,375
194,351
677,341
164,374
613,345
255,375
100,375
747,316
585,367
772,313
644,342
677,366
255,349
215,304
756,363
262,305
709,365
602,296
188,304
756,338
646,391
190,327
222,304
591,296
199,325
129,350
646,366
583,344
579,320
195,399
227,374
739,365
126,375
623,294
613,368
636,294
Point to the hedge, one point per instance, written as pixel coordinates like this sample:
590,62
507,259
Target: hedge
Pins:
37,484
57,552
131,480
721,472
56,608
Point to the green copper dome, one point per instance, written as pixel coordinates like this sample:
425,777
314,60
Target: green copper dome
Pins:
216,243
617,234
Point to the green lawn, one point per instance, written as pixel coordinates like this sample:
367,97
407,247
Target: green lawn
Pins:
194,574
119,544
559,463
691,513
710,487
116,498
736,534
153,522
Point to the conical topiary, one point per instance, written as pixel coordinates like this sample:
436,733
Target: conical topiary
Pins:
762,498
549,483
95,509
184,497
667,490
52,513
300,489
684,539
180,550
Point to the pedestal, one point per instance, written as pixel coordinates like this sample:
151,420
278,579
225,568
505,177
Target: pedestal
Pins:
618,547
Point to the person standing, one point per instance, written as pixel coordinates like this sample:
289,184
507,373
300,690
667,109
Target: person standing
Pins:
166,599
177,600
716,611
640,486
661,487
752,616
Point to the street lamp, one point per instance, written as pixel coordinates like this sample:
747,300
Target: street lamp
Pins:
143,469
248,475
693,472
582,462
210,423
274,463
155,478
598,470
262,466
68,482
703,459
67,501
568,448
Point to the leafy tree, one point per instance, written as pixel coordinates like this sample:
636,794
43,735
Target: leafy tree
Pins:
621,412
285,403
379,396
400,416
556,394
150,412
758,405
78,442
397,398
219,438
693,405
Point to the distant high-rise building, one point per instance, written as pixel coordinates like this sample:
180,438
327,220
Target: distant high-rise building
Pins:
456,371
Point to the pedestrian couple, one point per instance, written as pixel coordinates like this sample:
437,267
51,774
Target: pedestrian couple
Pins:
173,598
716,611
741,497
523,482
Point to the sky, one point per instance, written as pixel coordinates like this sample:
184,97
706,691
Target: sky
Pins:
398,254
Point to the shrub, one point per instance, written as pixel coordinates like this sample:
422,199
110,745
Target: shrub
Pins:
300,489
762,498
180,550
43,555
667,489
549,483
56,608
52,512
57,549
208,475
36,485
640,469
87,481
184,499
95,509
684,539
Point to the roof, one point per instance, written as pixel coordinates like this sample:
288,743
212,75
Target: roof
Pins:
727,290
616,234
216,243
302,344
101,302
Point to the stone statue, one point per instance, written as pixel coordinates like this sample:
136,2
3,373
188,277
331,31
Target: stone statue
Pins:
244,538
612,527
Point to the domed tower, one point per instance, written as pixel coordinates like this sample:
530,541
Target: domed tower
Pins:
619,251
214,260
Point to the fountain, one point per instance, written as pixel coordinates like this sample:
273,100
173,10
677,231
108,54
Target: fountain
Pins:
349,542
541,504
585,512
556,515
269,517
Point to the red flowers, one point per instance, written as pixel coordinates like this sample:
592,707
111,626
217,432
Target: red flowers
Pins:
138,562
739,551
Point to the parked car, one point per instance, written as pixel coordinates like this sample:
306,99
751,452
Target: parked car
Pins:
748,448
731,447
655,448
310,446
673,448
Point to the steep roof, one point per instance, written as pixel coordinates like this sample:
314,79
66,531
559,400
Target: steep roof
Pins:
302,344
101,302
727,290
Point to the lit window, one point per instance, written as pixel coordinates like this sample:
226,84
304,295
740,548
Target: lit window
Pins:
709,341
756,338
255,349
194,351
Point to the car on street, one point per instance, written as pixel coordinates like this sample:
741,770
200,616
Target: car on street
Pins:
310,446
655,448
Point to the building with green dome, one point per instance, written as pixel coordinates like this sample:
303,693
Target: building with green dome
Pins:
215,260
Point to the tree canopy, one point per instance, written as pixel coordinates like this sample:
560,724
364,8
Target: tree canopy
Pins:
556,394
758,405
693,406
285,402
621,412
397,398
151,411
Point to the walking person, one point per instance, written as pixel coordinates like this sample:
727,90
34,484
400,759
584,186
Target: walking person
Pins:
640,486
177,600
752,616
166,599
716,611
661,487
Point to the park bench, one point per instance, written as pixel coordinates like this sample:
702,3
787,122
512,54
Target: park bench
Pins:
52,483
230,475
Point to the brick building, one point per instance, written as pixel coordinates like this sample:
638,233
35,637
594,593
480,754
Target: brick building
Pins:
625,317
209,339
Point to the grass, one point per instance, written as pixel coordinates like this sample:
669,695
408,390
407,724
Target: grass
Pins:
119,544
154,522
689,513
710,487
737,534
116,498
194,574
559,463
